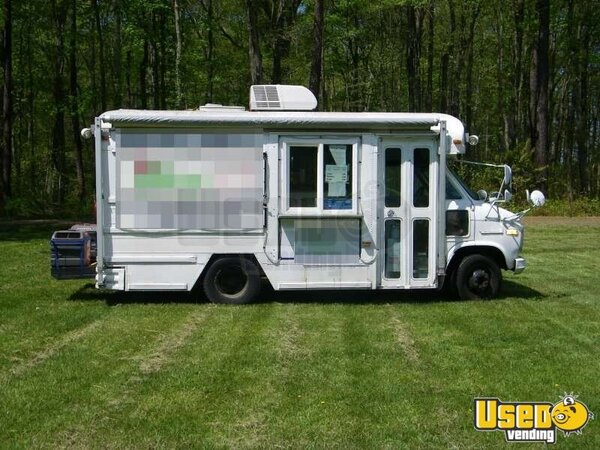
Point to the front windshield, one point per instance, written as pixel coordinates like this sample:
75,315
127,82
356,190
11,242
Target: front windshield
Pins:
460,181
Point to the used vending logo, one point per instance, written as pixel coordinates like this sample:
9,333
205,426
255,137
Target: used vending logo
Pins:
531,421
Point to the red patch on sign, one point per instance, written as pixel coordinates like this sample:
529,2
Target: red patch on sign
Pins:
140,167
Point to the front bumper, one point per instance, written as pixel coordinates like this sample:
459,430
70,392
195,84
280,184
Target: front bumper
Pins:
520,265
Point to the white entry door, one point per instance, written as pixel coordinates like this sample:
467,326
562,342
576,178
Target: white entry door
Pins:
408,207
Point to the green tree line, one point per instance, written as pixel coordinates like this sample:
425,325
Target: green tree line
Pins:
522,74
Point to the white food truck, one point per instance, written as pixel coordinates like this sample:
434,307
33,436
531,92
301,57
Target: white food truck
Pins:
221,197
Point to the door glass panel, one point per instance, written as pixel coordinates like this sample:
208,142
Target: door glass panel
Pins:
337,176
303,176
392,248
421,248
421,178
393,170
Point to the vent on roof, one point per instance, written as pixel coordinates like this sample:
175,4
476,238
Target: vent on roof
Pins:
214,107
281,97
266,97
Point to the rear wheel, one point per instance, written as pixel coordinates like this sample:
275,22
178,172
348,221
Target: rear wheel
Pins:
478,277
232,280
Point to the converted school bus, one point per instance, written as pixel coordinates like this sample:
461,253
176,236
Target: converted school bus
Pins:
310,200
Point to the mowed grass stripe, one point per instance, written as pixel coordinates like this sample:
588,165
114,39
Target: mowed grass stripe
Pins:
168,344
158,353
216,391
236,379
488,345
381,374
50,350
37,329
404,338
72,388
312,379
38,313
342,380
123,394
435,411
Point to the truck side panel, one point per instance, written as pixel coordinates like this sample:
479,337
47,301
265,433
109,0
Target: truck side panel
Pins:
174,197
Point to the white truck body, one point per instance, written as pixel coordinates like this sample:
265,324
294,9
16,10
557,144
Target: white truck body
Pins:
316,200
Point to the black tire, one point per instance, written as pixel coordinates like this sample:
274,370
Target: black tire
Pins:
478,277
232,280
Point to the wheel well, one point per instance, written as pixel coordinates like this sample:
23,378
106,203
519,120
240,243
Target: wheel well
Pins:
217,256
491,252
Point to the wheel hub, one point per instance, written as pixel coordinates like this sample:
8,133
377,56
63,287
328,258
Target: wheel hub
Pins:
231,280
479,281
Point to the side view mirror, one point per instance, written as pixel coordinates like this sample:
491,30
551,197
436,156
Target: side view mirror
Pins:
506,196
482,194
472,139
536,198
86,133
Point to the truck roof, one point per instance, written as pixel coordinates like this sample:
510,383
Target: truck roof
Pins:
288,120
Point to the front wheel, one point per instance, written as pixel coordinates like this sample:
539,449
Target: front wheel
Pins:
478,277
232,280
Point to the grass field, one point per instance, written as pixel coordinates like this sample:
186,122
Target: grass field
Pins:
82,368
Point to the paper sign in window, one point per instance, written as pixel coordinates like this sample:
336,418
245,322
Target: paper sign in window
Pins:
336,174
338,153
336,178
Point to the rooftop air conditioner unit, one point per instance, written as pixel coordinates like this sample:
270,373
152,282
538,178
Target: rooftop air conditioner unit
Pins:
280,97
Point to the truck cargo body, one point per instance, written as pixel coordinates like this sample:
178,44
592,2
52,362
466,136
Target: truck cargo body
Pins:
310,200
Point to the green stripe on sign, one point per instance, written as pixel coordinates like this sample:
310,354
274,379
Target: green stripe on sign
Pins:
188,181
142,181
154,181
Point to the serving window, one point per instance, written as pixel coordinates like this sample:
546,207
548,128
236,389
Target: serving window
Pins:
303,176
319,177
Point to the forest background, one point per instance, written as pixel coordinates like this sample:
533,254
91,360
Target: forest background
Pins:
521,74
